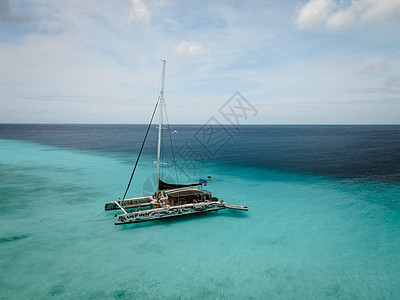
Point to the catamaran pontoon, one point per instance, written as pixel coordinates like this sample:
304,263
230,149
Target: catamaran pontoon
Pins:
170,200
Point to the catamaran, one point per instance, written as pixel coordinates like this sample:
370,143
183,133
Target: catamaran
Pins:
169,200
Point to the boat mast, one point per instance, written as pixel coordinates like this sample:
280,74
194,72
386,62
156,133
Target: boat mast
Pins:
160,126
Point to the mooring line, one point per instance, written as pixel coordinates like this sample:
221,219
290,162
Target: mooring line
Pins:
94,217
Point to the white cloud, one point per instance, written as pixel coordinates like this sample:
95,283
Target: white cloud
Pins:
139,11
314,12
341,18
191,48
335,15
381,11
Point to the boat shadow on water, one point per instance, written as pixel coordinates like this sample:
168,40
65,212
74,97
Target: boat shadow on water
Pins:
236,214
14,238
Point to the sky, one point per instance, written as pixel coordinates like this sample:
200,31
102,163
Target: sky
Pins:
292,62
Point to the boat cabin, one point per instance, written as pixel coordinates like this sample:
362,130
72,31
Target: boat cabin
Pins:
188,195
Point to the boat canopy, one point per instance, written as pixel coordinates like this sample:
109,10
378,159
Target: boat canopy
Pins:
169,186
184,192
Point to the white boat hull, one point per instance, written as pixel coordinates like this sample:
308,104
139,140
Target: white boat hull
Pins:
167,212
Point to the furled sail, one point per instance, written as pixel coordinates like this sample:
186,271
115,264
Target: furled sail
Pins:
170,186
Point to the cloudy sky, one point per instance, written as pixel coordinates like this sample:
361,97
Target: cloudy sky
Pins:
296,62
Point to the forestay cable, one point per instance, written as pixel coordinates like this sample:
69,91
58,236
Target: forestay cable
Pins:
140,152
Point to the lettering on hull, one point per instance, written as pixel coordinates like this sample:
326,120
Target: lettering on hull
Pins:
160,213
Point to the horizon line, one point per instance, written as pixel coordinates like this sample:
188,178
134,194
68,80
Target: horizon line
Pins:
200,124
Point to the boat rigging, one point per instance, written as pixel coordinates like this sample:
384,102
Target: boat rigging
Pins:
169,200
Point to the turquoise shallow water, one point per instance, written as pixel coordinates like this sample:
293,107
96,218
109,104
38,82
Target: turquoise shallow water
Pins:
304,236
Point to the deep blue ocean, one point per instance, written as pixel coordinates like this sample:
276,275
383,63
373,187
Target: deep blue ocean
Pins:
323,219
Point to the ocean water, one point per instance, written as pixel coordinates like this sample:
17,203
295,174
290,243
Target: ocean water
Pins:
323,219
